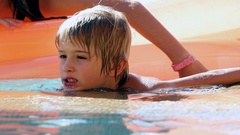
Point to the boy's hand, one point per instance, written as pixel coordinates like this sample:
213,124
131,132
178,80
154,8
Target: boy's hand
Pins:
10,23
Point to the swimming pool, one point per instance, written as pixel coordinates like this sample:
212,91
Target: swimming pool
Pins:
203,110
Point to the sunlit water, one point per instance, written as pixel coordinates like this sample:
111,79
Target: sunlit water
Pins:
206,110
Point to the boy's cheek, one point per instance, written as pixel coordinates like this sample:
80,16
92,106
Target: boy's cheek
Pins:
61,66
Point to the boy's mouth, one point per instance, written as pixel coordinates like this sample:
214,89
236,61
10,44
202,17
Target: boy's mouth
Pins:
69,83
70,80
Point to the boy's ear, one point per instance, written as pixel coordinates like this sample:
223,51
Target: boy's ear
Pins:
120,68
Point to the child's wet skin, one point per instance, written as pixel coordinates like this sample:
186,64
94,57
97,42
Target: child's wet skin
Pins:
81,70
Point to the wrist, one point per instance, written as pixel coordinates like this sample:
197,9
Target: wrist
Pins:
184,63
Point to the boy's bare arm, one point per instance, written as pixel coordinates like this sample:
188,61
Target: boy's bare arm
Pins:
212,77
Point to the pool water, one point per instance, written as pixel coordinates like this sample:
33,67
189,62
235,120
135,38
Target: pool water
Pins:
43,110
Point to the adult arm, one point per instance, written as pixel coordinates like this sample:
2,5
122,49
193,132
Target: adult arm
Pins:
139,18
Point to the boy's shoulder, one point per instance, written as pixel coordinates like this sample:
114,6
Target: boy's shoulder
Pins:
141,83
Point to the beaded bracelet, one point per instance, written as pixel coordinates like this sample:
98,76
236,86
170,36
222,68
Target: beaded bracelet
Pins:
185,62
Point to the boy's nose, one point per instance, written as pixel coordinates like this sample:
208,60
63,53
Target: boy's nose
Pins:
68,66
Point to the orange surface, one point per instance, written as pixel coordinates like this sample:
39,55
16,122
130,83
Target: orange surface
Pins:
30,41
30,52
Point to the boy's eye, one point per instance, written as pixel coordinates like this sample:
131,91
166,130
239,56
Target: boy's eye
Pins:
62,56
81,57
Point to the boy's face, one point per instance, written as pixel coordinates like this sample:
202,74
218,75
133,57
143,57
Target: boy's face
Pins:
81,70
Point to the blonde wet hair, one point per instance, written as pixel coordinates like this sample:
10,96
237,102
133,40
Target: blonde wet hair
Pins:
103,30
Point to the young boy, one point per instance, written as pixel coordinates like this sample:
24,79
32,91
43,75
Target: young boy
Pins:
94,47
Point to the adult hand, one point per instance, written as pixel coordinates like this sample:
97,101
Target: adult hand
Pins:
10,23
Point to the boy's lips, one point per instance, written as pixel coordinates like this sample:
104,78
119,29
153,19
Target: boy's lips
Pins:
69,83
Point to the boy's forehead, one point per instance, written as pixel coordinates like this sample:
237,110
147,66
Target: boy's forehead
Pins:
64,40
66,43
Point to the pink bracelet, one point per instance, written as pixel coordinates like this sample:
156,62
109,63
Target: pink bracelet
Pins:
185,62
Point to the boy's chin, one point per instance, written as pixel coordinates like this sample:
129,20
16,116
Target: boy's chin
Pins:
99,89
70,89
100,92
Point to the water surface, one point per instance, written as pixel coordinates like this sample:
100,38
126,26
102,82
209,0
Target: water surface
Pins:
205,110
